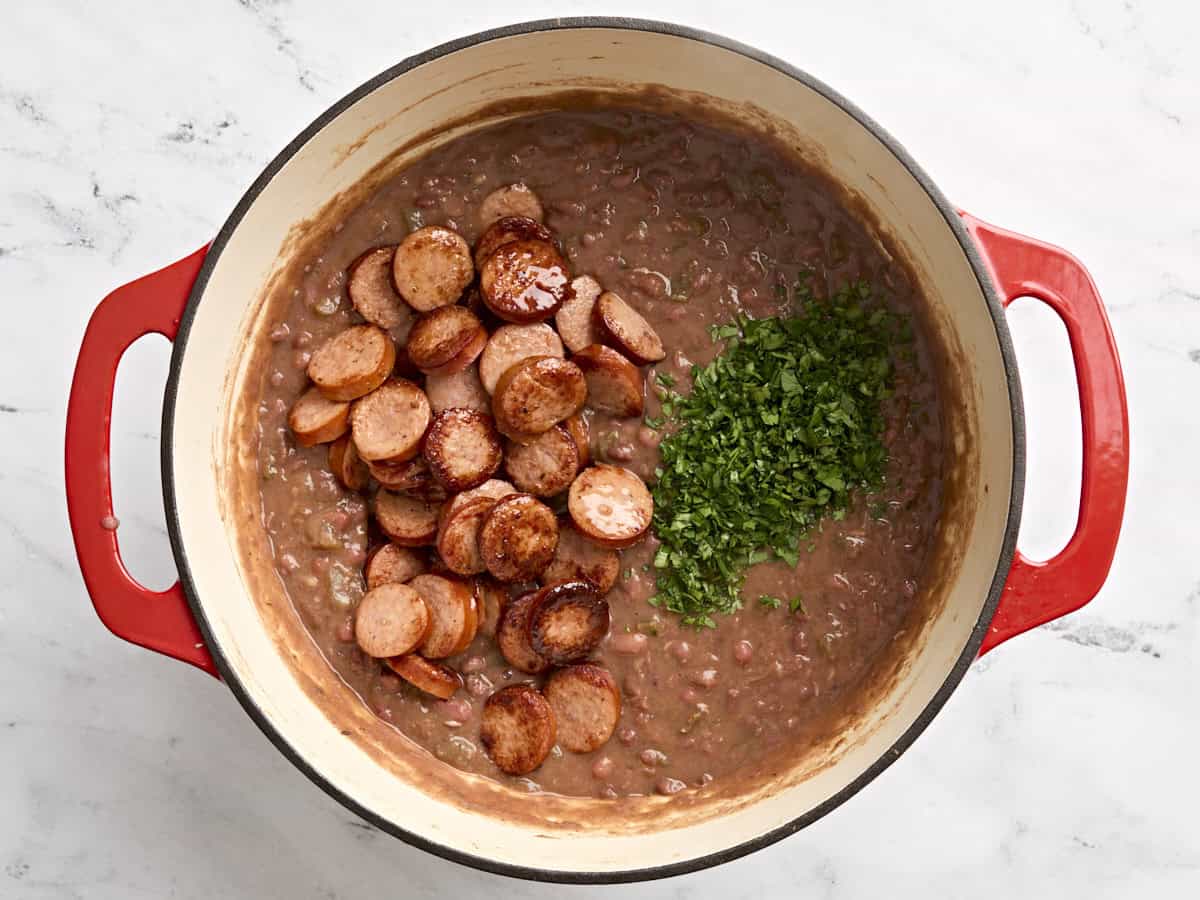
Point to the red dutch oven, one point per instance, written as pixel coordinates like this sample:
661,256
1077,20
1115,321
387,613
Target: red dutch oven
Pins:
228,618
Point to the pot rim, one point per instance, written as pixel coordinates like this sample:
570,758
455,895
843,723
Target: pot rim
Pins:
956,673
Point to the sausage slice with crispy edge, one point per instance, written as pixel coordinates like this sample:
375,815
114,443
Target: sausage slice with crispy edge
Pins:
408,521
511,344
535,395
373,293
315,419
431,677
614,384
495,488
393,564
568,620
577,558
453,614
353,362
391,619
586,704
462,448
512,636
411,476
577,427
517,729
389,423
347,465
576,317
492,598
458,537
459,390
546,465
628,330
505,231
511,200
525,281
518,538
439,338
611,506
432,267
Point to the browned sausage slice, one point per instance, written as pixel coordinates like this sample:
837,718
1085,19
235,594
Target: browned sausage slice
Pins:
452,610
431,677
462,448
525,281
628,330
346,464
317,420
546,465
577,427
466,356
511,344
461,390
411,476
505,231
353,362
512,636
439,337
409,521
578,558
388,424
392,564
432,267
518,538
535,395
510,200
610,505
567,622
495,488
517,729
391,619
614,384
576,317
373,294
458,537
586,704
491,599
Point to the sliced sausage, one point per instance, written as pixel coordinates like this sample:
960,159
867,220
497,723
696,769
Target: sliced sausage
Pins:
614,384
453,614
346,464
525,281
626,329
511,344
518,538
458,537
409,521
373,294
505,231
461,390
517,729
586,704
439,339
512,636
579,558
495,488
388,424
463,449
577,427
567,621
391,619
510,200
431,677
535,395
610,505
576,317
314,419
353,362
392,564
544,466
411,476
491,599
432,267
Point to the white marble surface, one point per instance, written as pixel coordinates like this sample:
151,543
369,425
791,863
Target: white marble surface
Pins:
1064,765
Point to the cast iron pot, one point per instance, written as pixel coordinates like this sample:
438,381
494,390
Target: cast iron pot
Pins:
226,617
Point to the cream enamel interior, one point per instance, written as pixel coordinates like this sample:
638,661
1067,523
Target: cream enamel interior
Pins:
449,88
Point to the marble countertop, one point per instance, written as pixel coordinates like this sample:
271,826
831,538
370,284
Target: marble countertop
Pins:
1062,766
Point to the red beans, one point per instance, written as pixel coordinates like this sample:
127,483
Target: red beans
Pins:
743,652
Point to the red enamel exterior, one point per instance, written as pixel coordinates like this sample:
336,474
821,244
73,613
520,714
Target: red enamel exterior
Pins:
1037,592
157,621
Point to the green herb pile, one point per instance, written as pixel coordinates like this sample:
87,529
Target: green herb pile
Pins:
775,434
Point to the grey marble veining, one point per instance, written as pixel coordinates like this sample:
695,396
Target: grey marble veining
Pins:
1063,766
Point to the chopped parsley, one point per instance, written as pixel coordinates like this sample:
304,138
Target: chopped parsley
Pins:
775,435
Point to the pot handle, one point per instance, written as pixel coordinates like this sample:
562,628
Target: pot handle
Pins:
1037,592
157,621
